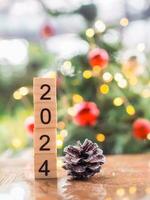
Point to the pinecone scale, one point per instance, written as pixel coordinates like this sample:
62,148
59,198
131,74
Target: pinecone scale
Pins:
83,160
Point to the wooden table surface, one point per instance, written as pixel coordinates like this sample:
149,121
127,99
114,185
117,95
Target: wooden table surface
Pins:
122,178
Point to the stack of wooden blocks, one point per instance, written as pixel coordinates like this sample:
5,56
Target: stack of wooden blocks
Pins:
45,114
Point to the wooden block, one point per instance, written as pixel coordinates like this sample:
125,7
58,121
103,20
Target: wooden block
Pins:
44,89
45,115
45,166
45,140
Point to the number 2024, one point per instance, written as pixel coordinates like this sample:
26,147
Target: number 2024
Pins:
44,166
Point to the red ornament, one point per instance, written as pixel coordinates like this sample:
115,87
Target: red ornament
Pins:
29,125
98,57
141,128
47,31
86,114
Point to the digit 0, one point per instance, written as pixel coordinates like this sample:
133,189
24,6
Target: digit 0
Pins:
44,168
45,121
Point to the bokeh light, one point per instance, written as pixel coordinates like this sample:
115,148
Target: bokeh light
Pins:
104,88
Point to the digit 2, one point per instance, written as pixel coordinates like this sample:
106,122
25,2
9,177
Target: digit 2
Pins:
44,97
44,168
43,148
42,114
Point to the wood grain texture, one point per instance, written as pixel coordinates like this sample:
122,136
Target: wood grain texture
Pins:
39,159
123,177
48,109
40,87
41,137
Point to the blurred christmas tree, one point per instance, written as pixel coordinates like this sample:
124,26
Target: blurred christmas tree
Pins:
103,88
102,91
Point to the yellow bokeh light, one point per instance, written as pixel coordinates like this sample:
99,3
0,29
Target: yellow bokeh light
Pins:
59,144
148,136
120,192
61,125
64,133
100,26
107,77
17,95
100,137
59,141
104,88
124,21
77,98
133,80
87,74
16,143
24,91
130,110
118,101
90,32
132,190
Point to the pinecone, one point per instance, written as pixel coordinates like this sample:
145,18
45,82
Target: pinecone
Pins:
84,160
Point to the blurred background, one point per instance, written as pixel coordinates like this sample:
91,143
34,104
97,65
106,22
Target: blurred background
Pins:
100,53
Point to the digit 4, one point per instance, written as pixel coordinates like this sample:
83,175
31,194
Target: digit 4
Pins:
44,168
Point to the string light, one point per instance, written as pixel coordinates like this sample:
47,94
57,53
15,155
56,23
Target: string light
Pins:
77,98
17,95
132,190
90,32
67,68
148,136
124,22
130,110
100,26
23,91
118,101
87,74
120,192
104,88
71,111
64,133
59,141
107,77
61,125
100,137
118,76
122,83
